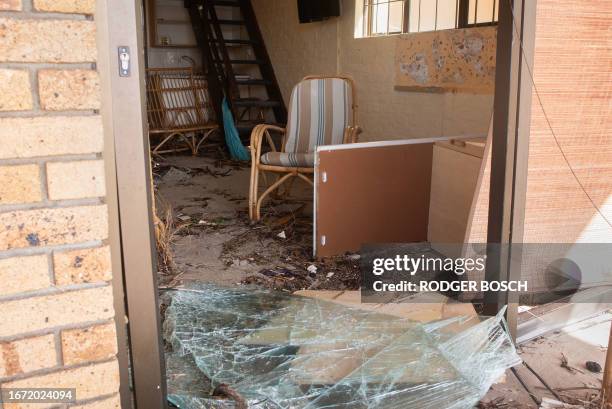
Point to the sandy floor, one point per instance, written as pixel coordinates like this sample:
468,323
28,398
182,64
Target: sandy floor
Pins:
216,242
579,343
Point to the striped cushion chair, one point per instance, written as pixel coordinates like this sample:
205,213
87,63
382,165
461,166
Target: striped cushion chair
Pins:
322,111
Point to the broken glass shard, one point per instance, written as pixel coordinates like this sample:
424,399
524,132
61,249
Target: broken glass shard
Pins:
276,350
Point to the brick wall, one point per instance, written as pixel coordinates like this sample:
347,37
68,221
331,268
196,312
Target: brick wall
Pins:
56,302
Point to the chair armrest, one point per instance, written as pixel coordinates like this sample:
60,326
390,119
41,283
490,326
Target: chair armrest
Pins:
258,134
351,134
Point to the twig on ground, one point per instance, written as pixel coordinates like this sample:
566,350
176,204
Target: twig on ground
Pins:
565,364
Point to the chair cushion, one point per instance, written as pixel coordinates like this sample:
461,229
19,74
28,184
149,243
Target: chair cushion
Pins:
293,160
319,112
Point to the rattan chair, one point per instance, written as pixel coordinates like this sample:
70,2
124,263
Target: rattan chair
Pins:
322,111
178,105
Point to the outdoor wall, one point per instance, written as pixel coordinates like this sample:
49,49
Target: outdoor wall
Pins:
569,176
330,47
56,302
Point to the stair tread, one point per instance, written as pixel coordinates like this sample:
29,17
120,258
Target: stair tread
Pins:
225,3
253,102
232,41
231,22
245,127
253,62
246,62
255,81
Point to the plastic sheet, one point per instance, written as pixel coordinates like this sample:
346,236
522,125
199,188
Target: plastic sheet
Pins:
282,351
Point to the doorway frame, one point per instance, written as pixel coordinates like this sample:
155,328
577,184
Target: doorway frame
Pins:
510,149
129,182
120,23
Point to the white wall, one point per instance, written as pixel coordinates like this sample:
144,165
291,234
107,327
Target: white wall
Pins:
330,47
160,57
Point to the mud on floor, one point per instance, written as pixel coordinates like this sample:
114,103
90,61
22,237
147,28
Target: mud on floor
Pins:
202,203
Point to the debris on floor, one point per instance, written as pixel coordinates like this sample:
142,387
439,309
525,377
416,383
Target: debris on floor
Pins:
207,237
175,175
590,400
565,364
211,238
578,343
273,350
497,403
420,308
548,403
593,366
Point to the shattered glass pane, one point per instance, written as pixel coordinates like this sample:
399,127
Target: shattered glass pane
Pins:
277,350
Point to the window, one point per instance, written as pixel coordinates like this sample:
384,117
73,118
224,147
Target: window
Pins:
384,17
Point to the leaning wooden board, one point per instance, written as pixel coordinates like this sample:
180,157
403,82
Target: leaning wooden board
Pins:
371,193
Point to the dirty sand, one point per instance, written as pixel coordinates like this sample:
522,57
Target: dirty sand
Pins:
585,341
217,243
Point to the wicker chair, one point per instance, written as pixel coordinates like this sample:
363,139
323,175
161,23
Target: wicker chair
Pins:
322,111
178,105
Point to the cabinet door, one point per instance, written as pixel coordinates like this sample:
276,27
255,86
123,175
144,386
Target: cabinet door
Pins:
371,193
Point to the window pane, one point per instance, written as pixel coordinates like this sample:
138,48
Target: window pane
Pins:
472,12
388,16
447,12
374,18
381,13
484,13
496,10
396,14
365,20
413,19
428,15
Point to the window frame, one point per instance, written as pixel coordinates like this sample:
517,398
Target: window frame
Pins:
464,10
461,18
369,20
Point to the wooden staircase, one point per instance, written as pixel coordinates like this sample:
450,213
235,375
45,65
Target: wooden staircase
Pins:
239,65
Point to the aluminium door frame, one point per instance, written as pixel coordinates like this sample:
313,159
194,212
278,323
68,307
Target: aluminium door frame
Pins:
120,23
510,149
